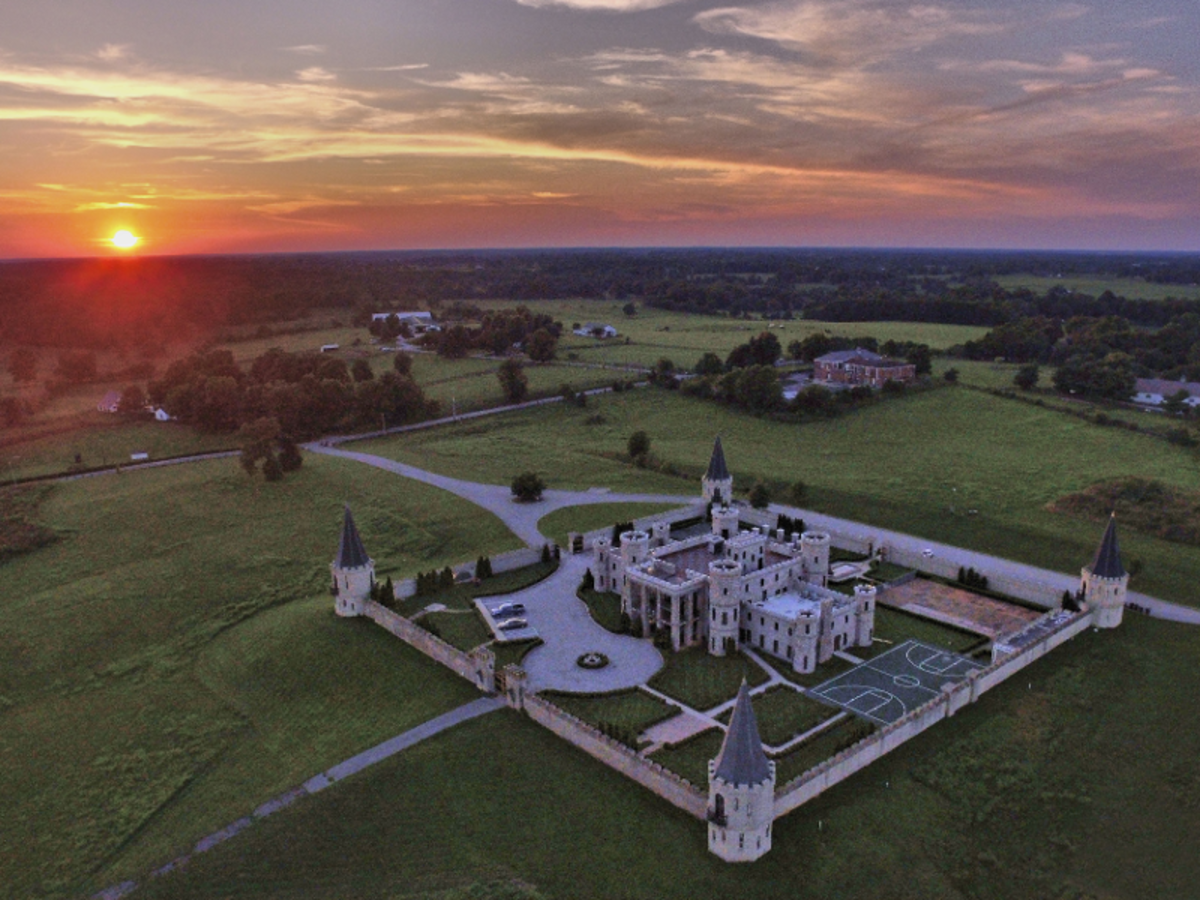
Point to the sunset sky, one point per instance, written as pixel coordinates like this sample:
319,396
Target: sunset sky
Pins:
275,125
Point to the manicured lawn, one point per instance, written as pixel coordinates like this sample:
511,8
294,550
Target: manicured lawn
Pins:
886,572
464,630
173,659
689,759
701,681
820,748
825,671
782,713
513,652
605,607
632,710
1070,789
461,596
590,518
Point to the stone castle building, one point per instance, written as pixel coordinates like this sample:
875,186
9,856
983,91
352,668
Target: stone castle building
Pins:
734,587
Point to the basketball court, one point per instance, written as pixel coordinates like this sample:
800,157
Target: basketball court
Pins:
892,684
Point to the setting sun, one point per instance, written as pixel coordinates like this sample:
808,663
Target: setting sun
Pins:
125,240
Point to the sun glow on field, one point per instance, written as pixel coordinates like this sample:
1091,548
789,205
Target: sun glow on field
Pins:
125,240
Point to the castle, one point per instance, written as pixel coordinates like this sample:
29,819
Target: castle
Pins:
730,588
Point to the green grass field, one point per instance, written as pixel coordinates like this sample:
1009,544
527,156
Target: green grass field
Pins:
1068,789
783,713
589,518
701,681
633,710
173,659
1133,288
918,464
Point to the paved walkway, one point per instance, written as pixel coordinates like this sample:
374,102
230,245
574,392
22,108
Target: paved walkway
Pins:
521,518
319,782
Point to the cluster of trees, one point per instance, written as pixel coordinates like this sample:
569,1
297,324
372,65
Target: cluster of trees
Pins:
970,578
263,441
384,593
498,332
308,394
790,525
434,582
483,568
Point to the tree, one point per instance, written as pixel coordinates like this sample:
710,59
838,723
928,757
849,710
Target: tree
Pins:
798,492
663,374
951,376
258,440
1177,403
272,471
290,459
454,343
541,346
639,444
760,496
528,487
513,380
361,371
588,583
402,363
1026,377
132,402
709,364
22,364
629,309
547,556
78,366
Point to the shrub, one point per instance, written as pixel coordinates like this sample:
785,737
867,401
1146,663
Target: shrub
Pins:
639,444
528,487
760,496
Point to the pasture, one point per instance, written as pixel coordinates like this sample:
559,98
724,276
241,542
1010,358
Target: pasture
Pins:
173,659
918,464
1133,288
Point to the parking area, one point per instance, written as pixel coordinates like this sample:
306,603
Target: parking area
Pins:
900,680
506,619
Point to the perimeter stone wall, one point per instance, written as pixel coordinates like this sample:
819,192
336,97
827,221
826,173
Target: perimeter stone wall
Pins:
478,666
842,765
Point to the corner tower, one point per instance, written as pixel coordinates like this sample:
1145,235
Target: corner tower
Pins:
1105,582
741,790
717,483
353,571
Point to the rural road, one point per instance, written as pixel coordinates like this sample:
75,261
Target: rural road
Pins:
522,519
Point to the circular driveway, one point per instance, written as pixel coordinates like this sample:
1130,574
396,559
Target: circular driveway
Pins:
562,620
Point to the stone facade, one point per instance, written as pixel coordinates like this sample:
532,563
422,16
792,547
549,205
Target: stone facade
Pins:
859,366
732,588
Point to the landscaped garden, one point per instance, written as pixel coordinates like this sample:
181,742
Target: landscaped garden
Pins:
701,681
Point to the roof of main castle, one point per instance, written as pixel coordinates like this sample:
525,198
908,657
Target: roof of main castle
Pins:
717,470
742,760
1107,563
351,552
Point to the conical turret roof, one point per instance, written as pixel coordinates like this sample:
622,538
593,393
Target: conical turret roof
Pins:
1107,563
742,760
351,552
717,470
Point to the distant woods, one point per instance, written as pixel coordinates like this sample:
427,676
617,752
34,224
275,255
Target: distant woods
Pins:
303,394
110,303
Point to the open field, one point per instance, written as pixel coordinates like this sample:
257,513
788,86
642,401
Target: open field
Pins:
919,464
1070,788
589,518
173,659
1133,288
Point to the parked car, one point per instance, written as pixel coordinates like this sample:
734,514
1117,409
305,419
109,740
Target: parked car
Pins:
927,553
512,624
508,609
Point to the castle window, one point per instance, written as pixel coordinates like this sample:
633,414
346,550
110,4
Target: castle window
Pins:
789,652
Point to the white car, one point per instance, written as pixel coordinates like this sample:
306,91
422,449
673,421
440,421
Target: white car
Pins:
512,624
927,553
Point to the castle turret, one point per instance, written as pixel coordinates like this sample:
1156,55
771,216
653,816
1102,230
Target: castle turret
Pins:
717,483
1105,582
635,548
814,549
725,521
741,790
724,605
864,615
353,571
